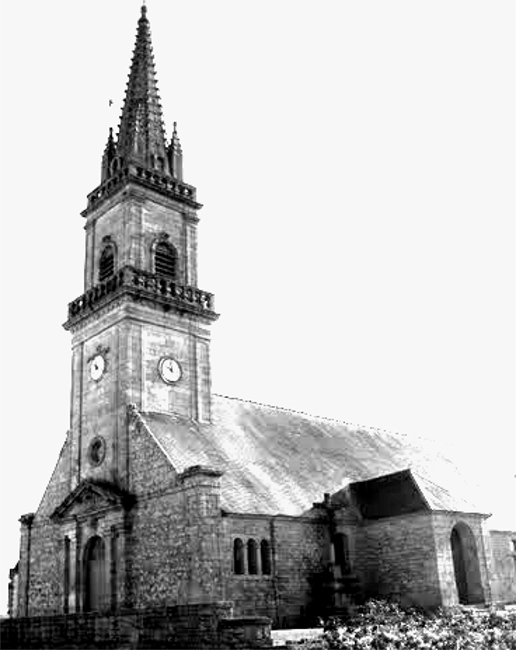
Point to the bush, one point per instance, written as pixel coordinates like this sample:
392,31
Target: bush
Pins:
385,626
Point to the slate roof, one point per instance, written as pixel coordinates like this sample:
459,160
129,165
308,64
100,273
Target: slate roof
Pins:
277,461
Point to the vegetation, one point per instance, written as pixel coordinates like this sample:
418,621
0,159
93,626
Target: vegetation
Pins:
385,626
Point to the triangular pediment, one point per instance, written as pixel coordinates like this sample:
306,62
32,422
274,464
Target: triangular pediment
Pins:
90,497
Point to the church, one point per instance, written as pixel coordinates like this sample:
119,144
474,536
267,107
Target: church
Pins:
166,495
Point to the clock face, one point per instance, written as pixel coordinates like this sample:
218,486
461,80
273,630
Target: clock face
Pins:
169,370
97,367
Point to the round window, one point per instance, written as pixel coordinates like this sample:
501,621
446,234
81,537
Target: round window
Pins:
97,450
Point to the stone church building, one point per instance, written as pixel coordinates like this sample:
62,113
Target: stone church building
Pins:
165,494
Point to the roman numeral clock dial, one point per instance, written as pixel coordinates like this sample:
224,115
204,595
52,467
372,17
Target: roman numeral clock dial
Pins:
169,370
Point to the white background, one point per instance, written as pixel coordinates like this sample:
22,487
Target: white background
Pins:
356,161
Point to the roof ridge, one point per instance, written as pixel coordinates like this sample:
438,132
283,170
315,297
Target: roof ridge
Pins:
355,426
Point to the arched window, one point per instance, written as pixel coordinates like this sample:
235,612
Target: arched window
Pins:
238,557
165,259
265,556
107,262
252,557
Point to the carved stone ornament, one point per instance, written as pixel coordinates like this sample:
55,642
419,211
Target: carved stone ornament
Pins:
91,497
101,349
134,416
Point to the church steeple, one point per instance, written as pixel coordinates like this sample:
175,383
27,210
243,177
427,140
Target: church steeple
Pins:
141,135
140,153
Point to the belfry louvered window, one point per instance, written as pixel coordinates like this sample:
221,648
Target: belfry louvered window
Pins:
165,260
107,263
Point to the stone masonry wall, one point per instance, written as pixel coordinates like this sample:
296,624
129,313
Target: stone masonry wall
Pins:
159,554
46,570
503,566
150,471
174,545
133,224
396,558
443,524
43,571
188,626
297,554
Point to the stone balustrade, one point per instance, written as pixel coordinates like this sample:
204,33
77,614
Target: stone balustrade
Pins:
172,187
142,285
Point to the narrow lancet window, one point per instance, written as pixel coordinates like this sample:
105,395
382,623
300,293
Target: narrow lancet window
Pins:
238,557
265,556
252,557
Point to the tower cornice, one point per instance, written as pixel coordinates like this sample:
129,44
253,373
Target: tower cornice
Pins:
167,186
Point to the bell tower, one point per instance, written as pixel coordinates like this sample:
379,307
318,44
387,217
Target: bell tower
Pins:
141,328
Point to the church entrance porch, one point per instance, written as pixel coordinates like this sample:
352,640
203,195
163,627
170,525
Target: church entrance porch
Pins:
465,565
94,575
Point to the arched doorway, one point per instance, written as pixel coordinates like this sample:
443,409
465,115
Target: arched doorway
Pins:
94,575
465,565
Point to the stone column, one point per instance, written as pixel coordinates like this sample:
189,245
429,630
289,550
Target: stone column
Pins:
73,596
106,591
77,573
24,568
113,569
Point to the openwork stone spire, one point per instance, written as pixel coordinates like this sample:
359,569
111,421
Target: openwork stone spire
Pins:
141,135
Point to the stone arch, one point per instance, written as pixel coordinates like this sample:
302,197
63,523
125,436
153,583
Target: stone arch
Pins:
465,565
94,574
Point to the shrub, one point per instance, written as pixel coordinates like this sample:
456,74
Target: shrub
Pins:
385,626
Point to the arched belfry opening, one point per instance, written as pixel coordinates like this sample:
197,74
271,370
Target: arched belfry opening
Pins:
94,573
165,259
465,565
107,261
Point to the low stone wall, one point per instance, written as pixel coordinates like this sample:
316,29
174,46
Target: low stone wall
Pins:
184,626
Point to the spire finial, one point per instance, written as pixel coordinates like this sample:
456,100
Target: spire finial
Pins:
144,8
175,128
